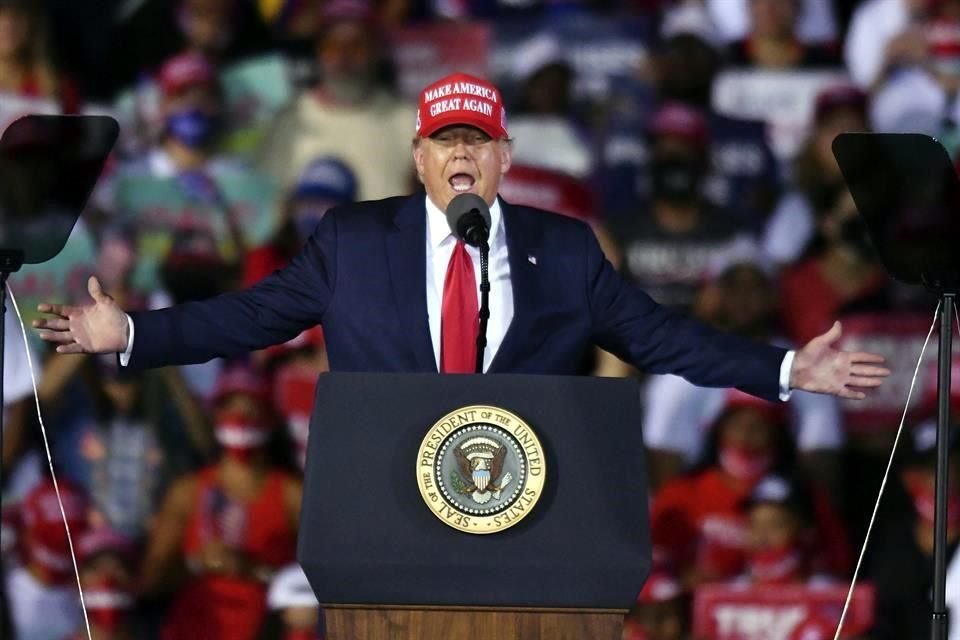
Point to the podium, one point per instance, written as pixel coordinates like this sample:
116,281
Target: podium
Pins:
393,552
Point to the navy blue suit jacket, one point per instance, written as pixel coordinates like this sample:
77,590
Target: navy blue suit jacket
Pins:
362,275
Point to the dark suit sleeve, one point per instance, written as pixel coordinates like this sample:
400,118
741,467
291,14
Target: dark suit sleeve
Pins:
273,311
629,324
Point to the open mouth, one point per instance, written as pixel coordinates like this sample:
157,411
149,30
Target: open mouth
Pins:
462,182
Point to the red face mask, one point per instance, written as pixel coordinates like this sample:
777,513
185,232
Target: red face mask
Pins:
107,604
301,634
778,565
923,495
241,436
743,463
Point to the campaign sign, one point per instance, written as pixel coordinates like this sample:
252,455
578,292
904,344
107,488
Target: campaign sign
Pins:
898,337
783,99
158,206
598,48
788,612
425,53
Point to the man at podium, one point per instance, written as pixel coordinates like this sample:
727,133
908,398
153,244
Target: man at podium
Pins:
396,291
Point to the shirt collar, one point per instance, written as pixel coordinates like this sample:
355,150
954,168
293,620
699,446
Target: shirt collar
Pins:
438,230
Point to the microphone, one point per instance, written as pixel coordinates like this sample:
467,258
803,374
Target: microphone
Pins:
469,219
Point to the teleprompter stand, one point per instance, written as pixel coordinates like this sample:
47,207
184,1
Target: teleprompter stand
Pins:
906,190
385,566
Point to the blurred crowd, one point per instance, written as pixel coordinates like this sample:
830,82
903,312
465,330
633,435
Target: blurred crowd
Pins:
694,136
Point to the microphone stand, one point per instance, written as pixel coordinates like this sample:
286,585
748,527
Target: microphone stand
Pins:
484,302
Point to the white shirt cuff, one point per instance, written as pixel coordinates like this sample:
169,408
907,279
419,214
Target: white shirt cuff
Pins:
785,368
125,356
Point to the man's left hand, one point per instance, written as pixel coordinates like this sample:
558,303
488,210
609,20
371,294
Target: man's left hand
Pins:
820,368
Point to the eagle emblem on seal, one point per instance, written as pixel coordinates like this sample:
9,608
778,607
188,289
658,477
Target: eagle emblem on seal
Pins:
480,461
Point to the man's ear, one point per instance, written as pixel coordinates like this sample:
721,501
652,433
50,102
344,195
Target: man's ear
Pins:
506,156
418,157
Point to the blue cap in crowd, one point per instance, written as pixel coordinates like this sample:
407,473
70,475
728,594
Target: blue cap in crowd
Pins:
327,179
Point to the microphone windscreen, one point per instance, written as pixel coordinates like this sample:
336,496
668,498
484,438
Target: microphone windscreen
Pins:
459,212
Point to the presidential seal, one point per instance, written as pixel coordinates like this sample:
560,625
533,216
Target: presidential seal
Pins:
481,469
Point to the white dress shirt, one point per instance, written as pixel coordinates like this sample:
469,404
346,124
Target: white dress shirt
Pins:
440,244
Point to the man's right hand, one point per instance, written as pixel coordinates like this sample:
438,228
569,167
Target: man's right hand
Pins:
98,328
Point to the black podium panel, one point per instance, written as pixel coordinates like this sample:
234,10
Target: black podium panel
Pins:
366,536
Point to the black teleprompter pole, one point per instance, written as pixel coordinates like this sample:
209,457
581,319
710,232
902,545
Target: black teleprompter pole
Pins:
944,361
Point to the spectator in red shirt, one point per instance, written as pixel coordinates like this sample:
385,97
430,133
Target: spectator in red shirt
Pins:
699,523
781,535
232,525
843,275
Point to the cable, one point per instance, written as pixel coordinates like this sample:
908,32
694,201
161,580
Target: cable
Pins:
886,475
46,446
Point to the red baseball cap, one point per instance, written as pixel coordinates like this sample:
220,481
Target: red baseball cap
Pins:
184,71
462,99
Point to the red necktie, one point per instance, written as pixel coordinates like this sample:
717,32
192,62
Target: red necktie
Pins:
460,316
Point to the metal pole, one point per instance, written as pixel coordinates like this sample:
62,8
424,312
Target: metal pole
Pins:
939,623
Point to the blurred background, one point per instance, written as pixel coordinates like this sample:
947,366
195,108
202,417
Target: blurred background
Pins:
693,135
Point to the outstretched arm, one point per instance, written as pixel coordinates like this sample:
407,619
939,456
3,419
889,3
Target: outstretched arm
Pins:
272,311
630,324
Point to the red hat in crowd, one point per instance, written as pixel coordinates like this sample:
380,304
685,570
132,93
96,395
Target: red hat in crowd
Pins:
840,96
461,99
185,71
550,190
677,119
241,378
44,539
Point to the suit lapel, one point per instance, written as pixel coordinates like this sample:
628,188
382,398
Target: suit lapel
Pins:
523,248
407,258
